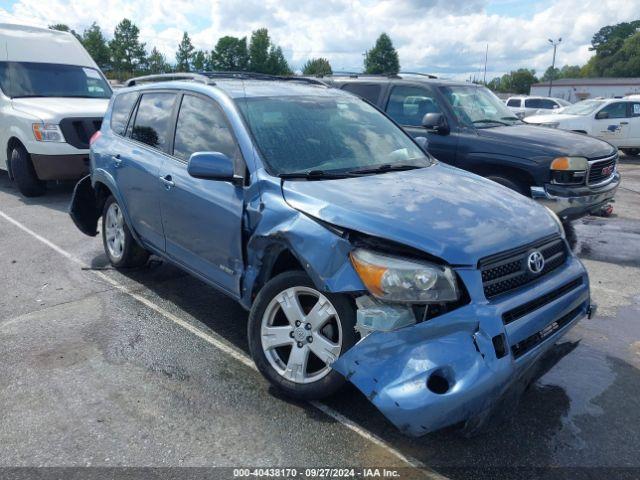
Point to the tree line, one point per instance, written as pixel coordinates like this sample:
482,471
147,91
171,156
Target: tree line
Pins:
617,54
124,55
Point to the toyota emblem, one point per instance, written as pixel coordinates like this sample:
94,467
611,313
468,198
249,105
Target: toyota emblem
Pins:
535,262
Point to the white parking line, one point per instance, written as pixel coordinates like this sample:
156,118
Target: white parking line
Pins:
223,345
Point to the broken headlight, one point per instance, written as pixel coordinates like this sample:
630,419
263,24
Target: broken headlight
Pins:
397,279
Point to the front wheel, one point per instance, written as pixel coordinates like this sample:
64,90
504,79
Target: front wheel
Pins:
631,152
25,175
296,332
121,248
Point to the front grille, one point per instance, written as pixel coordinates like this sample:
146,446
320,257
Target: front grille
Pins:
78,131
532,341
519,312
507,271
601,170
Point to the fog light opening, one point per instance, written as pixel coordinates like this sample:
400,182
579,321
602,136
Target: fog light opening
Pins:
438,383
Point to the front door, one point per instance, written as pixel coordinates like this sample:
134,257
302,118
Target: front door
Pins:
203,218
137,162
614,128
407,105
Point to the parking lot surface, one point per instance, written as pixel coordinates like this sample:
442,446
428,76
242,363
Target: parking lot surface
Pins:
149,367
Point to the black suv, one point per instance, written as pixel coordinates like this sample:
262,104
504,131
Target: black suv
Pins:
466,125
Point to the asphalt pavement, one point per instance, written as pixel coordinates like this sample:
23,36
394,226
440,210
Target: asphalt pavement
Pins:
149,368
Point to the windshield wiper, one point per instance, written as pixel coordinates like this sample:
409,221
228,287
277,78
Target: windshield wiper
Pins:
314,175
387,167
491,120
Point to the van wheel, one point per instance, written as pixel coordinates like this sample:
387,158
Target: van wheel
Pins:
296,332
513,185
631,152
121,248
24,174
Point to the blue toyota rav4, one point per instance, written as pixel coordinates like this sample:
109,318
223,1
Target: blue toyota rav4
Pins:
359,256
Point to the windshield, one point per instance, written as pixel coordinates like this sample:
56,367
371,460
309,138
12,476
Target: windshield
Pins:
28,79
583,108
328,134
477,107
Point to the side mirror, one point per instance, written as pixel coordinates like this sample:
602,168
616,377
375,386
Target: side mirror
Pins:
435,122
602,115
423,143
211,166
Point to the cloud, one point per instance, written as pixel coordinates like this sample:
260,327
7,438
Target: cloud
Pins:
446,37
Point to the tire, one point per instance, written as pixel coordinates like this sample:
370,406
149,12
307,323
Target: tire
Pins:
123,251
276,356
631,152
512,184
24,174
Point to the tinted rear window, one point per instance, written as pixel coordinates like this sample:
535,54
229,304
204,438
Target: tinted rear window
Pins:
368,92
153,120
121,110
514,102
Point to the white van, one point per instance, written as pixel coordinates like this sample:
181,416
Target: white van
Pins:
52,100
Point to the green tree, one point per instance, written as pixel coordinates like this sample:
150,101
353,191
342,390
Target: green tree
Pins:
61,27
277,64
570,71
259,51
551,73
626,61
611,55
199,61
184,54
96,44
382,58
157,62
522,79
230,54
317,66
128,55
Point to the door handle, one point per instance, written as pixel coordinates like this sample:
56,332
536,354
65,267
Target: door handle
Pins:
168,182
624,123
117,161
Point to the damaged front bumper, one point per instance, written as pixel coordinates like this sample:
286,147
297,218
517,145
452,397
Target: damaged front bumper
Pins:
461,366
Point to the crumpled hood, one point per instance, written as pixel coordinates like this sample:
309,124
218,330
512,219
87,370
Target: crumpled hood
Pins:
450,213
54,109
547,141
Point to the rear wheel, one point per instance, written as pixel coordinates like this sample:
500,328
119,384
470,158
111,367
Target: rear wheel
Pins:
631,152
24,174
296,332
121,248
510,183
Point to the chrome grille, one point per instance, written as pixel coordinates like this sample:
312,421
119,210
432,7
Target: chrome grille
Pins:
601,170
507,271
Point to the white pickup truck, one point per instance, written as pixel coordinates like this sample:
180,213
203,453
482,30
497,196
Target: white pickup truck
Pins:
616,120
52,100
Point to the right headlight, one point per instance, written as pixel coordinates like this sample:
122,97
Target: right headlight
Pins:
396,279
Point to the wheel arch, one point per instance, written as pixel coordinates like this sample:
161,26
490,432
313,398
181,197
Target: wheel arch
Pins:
510,172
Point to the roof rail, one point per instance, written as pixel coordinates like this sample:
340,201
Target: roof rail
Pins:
261,76
421,74
167,77
357,75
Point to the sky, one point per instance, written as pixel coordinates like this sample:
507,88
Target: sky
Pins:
444,37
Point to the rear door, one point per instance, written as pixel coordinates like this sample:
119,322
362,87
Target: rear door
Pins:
407,105
203,218
633,139
137,163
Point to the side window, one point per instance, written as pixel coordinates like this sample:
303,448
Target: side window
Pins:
369,92
407,105
120,111
616,110
635,109
152,124
202,127
533,103
513,102
548,104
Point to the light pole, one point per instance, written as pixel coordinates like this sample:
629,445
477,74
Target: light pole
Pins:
555,44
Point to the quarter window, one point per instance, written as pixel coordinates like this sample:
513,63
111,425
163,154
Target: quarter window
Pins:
202,127
407,105
120,111
153,120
